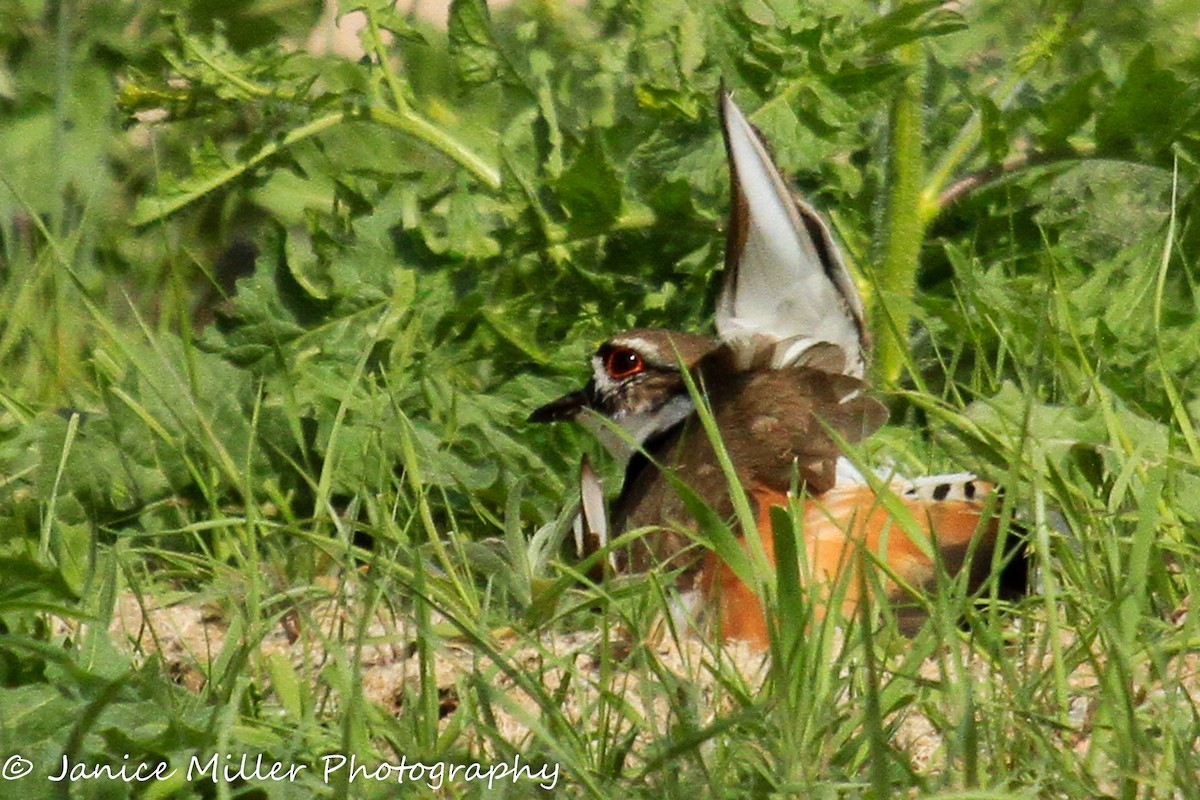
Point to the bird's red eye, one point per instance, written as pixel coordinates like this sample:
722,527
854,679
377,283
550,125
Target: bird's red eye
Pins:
622,362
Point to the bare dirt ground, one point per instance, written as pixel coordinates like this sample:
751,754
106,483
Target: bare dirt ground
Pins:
189,638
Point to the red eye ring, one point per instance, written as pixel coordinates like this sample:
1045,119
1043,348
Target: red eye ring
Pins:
623,362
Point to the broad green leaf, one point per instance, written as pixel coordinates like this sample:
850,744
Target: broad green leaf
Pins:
472,42
590,190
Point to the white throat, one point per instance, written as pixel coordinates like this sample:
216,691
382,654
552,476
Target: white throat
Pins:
637,428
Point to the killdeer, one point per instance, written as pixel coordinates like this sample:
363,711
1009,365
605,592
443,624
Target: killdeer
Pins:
784,379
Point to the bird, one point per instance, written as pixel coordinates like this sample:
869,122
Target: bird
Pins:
785,379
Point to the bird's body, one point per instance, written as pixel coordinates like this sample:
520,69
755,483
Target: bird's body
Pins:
784,380
849,528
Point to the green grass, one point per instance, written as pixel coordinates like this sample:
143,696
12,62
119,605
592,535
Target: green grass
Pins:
318,525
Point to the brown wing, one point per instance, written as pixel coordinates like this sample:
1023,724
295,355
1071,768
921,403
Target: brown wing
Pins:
778,421
775,424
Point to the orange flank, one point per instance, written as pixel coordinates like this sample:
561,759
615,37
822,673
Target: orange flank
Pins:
846,527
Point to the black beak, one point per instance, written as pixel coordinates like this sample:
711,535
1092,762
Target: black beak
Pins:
567,407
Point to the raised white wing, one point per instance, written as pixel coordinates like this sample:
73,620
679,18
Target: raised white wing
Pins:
786,286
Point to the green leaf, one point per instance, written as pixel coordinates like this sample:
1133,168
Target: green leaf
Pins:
391,18
308,269
909,22
1068,110
26,581
472,42
1145,112
590,189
